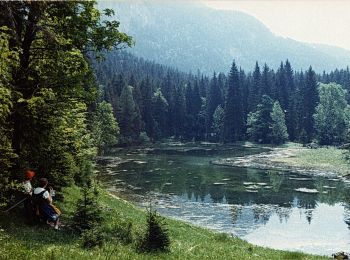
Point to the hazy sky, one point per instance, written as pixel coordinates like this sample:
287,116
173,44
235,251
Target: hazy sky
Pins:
316,21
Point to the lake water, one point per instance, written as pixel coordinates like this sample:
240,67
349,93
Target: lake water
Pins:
281,210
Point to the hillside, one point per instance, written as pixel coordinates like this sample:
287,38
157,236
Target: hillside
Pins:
198,37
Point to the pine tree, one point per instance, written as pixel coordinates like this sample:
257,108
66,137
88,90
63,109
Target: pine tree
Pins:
88,213
266,81
146,112
233,119
159,109
291,96
279,132
281,84
157,236
179,112
310,101
129,116
214,99
254,90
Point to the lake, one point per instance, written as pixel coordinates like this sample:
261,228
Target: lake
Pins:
277,209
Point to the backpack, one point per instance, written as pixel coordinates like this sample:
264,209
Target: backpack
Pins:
38,199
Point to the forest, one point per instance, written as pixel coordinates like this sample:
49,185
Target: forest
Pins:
152,102
50,117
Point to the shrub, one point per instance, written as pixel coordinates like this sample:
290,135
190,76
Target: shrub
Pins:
88,213
156,237
144,138
92,238
122,231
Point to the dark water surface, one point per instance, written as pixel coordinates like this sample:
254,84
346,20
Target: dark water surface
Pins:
281,210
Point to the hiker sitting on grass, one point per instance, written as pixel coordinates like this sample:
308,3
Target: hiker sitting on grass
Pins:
42,198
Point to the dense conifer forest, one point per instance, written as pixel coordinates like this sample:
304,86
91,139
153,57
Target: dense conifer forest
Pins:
267,105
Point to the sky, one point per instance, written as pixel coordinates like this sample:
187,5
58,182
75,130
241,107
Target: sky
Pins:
313,21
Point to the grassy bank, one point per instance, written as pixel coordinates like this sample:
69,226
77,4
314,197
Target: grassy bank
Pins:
19,241
325,159
294,157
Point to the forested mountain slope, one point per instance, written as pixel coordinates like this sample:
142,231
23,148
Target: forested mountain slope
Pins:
198,37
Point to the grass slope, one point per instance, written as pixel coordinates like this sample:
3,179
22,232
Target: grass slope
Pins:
19,241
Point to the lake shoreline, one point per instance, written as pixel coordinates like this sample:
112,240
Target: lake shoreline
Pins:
293,158
132,173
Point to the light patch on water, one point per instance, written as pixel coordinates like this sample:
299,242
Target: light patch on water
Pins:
300,179
306,190
315,237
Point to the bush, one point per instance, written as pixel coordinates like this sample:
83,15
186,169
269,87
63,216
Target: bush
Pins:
156,237
144,138
92,238
122,231
88,213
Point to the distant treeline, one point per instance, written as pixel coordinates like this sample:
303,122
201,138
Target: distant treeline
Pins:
153,101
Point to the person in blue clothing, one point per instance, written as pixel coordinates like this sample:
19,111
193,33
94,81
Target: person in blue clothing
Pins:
42,198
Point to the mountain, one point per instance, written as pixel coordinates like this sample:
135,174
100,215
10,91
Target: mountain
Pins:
191,36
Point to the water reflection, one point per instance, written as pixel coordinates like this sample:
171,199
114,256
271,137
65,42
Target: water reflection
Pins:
270,208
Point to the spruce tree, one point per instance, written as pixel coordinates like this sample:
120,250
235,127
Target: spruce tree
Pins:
179,112
233,118
254,90
291,96
156,237
214,99
310,101
87,215
129,116
281,85
266,81
160,109
146,112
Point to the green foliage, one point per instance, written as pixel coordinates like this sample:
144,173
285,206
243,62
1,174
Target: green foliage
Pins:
218,121
214,98
91,238
58,142
330,116
8,62
156,237
143,138
104,126
88,215
279,133
259,123
48,88
129,116
160,107
233,120
310,99
122,231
